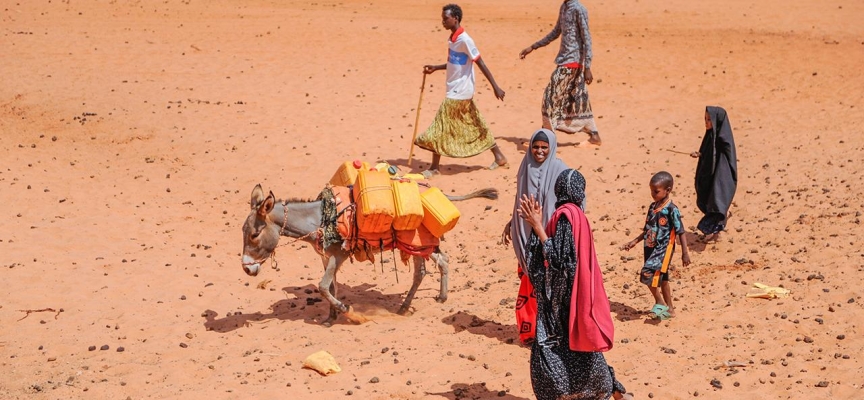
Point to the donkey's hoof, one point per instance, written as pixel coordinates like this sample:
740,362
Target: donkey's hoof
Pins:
441,299
327,323
405,312
355,317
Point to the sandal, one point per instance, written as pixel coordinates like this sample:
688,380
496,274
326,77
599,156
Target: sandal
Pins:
660,312
429,173
495,165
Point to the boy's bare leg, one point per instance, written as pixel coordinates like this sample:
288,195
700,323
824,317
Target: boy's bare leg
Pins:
658,296
667,297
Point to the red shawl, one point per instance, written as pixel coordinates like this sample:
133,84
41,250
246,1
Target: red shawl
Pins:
591,327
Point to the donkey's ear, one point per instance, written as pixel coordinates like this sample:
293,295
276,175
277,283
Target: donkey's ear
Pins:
257,196
267,205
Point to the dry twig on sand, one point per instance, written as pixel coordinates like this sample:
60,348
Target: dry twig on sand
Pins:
41,310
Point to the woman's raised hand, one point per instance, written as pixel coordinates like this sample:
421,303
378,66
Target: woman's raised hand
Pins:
530,210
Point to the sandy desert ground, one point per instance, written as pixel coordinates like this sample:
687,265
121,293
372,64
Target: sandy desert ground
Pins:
132,133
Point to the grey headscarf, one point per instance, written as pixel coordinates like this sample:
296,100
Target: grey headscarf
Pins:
537,179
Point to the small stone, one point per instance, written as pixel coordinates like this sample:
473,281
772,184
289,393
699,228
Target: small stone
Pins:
104,347
183,345
822,384
384,350
91,348
52,358
501,393
183,297
716,383
349,393
121,349
841,337
374,380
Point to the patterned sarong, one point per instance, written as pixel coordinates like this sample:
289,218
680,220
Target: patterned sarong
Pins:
565,102
458,131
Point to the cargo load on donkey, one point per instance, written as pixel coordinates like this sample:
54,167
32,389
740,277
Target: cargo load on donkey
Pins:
382,211
331,224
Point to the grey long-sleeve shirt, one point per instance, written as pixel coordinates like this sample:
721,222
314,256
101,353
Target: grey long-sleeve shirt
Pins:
572,18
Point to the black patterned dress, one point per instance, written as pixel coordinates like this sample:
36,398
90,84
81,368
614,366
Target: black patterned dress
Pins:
556,371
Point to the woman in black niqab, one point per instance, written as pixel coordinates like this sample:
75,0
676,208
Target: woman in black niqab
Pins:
716,172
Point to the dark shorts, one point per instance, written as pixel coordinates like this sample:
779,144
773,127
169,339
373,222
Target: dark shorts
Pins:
653,277
652,272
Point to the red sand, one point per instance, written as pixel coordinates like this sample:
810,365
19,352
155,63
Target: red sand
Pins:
132,134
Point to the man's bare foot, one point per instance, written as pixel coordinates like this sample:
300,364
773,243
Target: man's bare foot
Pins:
594,138
711,238
622,396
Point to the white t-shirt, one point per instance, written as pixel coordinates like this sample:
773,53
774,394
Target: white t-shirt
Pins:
461,56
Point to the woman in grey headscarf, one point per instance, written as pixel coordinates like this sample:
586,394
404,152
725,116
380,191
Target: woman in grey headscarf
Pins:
536,177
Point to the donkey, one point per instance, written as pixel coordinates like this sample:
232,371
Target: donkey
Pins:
270,219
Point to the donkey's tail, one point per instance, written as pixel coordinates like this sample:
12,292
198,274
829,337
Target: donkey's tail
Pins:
488,193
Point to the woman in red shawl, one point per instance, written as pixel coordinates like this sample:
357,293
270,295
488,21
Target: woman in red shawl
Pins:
574,324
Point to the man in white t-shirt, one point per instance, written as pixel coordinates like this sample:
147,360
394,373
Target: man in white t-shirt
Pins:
458,129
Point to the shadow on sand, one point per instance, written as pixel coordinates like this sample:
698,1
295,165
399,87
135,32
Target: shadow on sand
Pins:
624,312
303,303
474,391
462,321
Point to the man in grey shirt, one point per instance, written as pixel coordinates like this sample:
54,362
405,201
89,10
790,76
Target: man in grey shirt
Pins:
565,101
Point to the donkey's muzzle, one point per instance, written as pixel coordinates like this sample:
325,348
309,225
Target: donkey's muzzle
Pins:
250,266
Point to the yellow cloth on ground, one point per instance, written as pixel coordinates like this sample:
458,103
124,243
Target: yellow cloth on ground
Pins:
323,362
458,131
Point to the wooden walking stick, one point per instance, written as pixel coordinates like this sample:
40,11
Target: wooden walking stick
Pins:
417,119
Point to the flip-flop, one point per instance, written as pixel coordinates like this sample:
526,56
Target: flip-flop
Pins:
660,312
495,165
428,174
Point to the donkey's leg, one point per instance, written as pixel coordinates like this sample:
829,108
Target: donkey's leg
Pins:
419,273
332,262
443,262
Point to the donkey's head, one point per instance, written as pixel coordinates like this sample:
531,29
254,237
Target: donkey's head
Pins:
260,233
